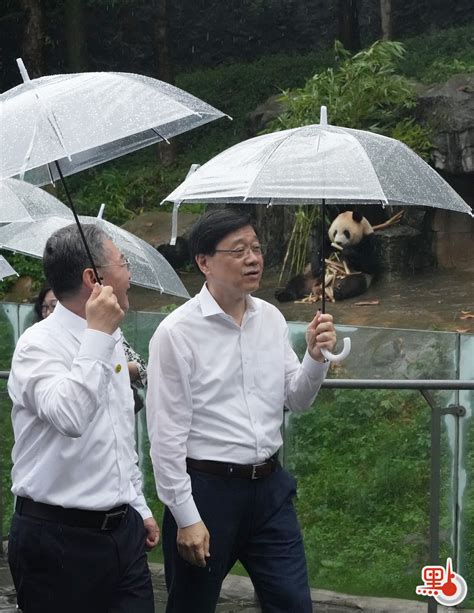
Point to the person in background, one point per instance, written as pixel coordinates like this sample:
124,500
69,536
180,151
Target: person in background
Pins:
81,525
44,305
137,371
221,370
45,302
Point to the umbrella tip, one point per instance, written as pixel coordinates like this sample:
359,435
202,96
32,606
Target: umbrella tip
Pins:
192,169
24,73
101,211
323,118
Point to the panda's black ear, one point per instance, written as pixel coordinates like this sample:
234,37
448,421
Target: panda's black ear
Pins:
357,215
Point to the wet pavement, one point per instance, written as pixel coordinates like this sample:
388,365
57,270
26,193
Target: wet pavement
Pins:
238,596
431,300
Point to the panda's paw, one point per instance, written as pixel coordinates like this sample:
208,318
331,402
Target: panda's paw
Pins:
285,295
351,286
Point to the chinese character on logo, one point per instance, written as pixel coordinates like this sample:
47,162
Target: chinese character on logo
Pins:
447,587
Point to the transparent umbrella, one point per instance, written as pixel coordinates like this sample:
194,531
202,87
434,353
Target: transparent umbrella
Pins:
76,121
319,164
148,267
6,270
21,201
58,125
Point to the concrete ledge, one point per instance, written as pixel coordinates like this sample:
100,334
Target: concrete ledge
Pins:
239,591
238,596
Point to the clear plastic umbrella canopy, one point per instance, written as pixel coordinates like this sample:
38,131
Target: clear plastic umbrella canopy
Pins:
81,120
148,267
6,270
21,201
319,163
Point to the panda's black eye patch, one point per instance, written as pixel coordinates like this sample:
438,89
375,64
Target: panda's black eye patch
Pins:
347,234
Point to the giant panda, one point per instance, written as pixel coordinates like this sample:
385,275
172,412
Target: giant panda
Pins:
353,238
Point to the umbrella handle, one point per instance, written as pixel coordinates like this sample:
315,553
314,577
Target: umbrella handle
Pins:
332,357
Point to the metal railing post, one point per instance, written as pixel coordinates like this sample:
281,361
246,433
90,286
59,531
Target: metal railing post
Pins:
435,478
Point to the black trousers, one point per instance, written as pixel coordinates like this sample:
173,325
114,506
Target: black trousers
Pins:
58,568
251,521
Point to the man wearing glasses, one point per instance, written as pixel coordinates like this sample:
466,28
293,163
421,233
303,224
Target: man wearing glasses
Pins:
81,523
220,371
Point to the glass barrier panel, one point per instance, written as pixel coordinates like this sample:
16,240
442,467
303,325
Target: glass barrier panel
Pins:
361,457
465,476
362,460
6,445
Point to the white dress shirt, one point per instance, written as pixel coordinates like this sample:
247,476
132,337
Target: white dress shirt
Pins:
216,391
73,417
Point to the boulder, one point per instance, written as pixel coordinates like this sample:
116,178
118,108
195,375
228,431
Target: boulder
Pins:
155,228
22,290
404,249
449,109
258,119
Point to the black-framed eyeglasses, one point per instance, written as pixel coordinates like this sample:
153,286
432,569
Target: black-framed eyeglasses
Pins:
126,262
241,252
48,307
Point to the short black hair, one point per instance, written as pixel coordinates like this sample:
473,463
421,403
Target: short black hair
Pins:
212,227
65,257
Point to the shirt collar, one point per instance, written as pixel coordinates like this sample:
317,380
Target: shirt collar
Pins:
210,307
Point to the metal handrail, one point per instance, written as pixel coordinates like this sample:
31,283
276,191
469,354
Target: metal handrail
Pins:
407,384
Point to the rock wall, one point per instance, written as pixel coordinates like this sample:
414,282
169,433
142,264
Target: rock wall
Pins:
448,108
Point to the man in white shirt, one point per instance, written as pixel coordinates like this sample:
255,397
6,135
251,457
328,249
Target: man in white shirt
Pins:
220,371
81,525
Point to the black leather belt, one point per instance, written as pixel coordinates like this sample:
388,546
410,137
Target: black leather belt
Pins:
79,518
239,471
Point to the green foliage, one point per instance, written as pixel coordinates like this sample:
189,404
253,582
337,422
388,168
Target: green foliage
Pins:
440,70
168,308
295,258
6,444
123,186
366,91
417,137
25,266
363,91
436,56
362,463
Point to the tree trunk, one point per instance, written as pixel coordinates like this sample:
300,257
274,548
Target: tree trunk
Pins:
75,36
348,24
33,38
386,19
164,71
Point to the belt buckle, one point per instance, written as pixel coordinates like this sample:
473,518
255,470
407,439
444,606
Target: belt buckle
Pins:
112,516
254,470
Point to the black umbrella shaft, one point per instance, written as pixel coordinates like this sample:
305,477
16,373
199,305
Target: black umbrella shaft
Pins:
323,257
79,226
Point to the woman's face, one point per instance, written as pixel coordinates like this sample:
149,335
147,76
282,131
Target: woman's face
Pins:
49,303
